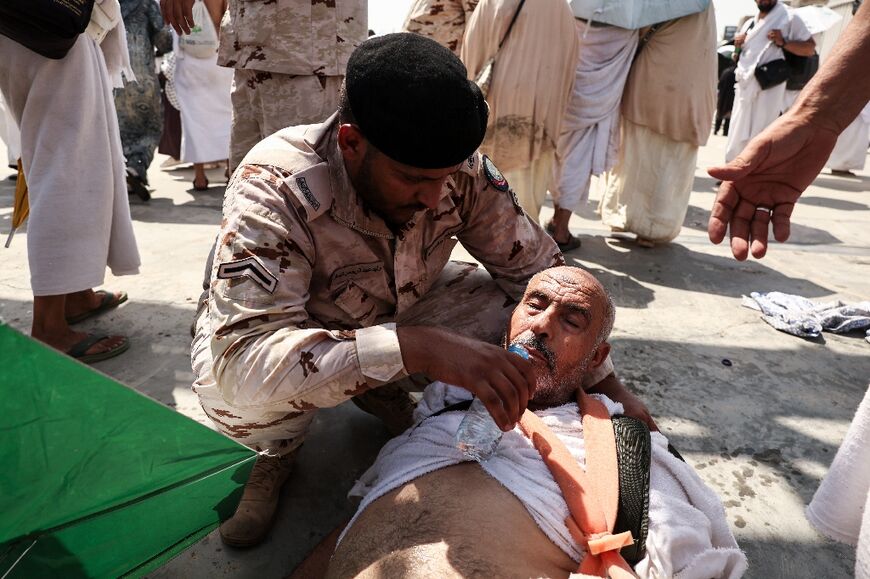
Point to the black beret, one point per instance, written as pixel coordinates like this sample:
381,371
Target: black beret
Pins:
412,100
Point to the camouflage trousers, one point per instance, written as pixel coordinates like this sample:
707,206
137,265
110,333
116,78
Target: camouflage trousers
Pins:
464,299
265,102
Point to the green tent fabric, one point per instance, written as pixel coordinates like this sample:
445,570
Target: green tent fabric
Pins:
97,480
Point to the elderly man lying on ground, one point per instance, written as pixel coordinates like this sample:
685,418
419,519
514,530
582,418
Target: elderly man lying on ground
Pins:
544,504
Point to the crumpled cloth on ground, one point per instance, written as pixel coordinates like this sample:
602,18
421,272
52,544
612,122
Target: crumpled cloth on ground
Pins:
799,316
688,535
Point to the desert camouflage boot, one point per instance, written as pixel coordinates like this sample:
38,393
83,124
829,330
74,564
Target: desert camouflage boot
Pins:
256,511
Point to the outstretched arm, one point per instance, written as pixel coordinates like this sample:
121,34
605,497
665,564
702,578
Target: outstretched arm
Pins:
763,183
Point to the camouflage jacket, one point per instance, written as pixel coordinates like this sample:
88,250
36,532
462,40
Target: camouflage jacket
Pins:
441,20
299,37
306,283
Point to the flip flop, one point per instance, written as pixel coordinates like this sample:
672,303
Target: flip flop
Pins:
572,243
78,350
108,301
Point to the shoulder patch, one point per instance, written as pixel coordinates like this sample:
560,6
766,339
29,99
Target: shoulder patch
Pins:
493,175
251,268
312,189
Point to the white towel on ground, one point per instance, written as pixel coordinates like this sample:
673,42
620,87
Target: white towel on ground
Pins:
799,316
688,536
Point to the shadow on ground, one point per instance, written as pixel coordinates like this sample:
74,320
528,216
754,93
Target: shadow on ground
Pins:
839,204
629,268
756,432
697,218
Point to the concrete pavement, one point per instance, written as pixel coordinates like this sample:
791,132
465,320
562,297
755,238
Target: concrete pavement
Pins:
757,412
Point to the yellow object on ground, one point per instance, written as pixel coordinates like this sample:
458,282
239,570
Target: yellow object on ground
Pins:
21,207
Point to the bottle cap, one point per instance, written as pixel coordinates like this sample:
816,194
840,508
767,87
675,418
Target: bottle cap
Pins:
519,351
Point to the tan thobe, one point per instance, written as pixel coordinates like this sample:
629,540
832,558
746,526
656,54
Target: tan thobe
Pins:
667,111
532,80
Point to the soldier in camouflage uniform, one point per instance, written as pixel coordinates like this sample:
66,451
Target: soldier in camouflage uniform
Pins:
331,278
441,20
289,58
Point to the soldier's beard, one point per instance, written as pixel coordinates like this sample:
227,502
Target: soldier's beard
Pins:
376,199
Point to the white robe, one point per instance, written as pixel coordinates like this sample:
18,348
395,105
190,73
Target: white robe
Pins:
203,91
589,140
840,509
850,152
10,134
688,533
74,165
754,108
647,193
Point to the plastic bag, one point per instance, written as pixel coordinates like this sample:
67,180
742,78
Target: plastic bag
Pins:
202,42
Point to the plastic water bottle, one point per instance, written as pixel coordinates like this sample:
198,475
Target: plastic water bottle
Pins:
478,435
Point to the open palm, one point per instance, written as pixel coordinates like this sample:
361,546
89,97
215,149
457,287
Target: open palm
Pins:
763,183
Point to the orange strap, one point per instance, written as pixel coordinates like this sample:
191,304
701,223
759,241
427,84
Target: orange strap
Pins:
592,496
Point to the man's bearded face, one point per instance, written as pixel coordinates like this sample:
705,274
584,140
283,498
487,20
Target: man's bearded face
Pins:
558,321
765,6
396,191
553,386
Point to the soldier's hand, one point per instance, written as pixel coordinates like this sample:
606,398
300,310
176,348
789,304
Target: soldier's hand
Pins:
503,381
178,14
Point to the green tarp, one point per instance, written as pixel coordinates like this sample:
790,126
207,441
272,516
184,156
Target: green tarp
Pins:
96,480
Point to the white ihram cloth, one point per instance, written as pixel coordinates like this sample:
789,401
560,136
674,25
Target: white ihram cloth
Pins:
850,152
74,165
754,108
530,183
841,506
203,90
647,193
589,140
688,533
107,29
9,133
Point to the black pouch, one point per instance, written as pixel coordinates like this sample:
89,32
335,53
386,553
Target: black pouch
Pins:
772,73
47,27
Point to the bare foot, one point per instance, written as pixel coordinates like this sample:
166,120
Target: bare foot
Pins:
85,301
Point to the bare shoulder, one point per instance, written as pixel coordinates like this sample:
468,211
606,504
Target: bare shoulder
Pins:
454,522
